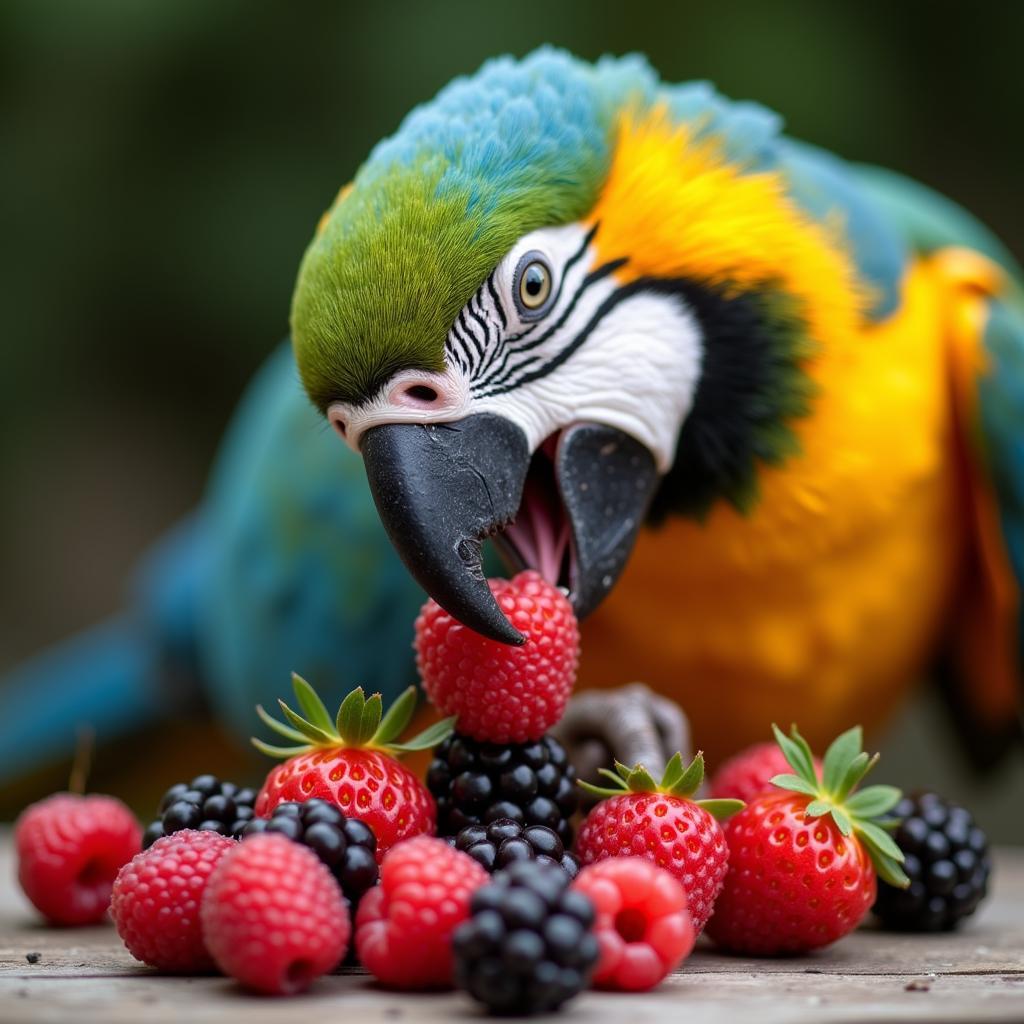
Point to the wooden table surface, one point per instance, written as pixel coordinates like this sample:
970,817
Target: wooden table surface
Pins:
974,975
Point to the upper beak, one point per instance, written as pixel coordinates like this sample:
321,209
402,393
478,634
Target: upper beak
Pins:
442,489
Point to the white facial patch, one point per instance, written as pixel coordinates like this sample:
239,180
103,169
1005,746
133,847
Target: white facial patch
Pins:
552,338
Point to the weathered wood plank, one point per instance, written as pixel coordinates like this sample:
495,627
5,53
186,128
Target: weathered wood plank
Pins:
976,974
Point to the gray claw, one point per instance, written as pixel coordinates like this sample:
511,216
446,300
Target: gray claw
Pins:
631,724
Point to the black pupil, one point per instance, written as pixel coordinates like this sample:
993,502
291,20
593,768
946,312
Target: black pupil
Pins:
534,280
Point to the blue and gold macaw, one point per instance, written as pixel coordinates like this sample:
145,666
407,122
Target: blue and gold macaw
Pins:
761,411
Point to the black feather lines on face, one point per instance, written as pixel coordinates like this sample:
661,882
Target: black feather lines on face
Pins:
751,387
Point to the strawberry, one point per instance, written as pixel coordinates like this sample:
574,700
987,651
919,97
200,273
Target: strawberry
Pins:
348,762
750,772
803,858
661,821
502,694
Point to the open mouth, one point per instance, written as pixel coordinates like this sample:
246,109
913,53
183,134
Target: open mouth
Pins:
540,535
571,510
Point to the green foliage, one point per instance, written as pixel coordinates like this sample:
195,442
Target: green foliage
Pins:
359,723
678,781
854,813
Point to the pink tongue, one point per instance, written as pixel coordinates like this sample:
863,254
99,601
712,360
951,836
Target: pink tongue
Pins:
540,535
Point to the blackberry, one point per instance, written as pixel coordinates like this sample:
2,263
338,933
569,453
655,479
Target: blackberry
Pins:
947,861
477,783
504,841
204,803
529,944
346,845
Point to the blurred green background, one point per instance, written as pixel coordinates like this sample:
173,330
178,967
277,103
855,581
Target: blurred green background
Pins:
164,165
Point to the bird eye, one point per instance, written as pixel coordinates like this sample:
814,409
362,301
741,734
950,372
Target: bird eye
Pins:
532,285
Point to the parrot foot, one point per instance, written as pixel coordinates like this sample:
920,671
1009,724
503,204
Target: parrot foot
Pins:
631,724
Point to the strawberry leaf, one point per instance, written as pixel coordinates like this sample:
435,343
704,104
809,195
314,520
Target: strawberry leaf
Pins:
873,801
797,754
641,781
691,779
795,784
879,839
279,727
311,704
816,808
308,729
350,716
429,738
721,808
843,749
279,752
370,719
673,772
397,719
842,821
855,771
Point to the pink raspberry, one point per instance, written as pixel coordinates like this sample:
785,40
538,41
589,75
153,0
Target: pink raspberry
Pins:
156,899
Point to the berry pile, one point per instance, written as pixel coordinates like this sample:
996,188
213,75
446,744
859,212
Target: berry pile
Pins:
205,803
346,845
947,861
476,783
529,945
505,841
472,878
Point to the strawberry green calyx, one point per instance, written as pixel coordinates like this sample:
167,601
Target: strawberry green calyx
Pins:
855,812
359,724
677,781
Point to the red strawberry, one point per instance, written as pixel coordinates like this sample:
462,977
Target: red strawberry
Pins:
349,762
661,821
70,849
750,772
499,693
802,859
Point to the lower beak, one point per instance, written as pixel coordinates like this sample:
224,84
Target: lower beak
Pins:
442,489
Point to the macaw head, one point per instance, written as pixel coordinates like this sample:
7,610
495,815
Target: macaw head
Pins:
497,315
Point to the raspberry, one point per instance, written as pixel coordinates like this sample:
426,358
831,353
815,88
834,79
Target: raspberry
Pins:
505,841
404,925
643,926
70,849
346,845
528,946
947,861
204,803
155,904
273,916
477,783
500,693
751,771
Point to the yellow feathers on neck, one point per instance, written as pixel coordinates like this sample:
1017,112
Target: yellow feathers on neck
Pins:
677,207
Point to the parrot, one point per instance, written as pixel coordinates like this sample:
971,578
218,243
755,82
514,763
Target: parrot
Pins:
757,409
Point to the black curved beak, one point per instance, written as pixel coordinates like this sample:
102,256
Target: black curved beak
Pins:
442,489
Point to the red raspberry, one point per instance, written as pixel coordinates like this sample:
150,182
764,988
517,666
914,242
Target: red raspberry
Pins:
750,772
500,693
794,883
70,849
643,926
273,916
155,904
404,926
